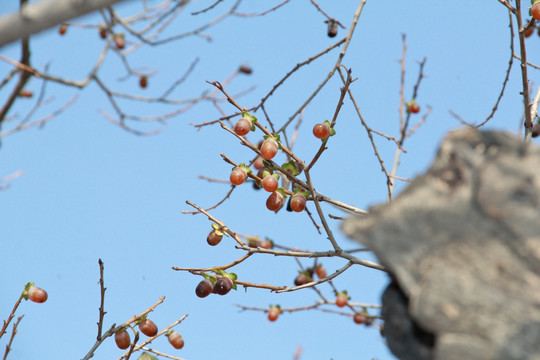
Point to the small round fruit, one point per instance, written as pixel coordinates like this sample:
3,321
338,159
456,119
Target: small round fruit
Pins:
301,279
298,202
204,288
274,201
122,339
258,163
321,131
213,238
332,29
244,69
62,30
175,339
148,327
359,318
37,295
223,285
342,299
269,149
321,272
270,183
266,244
413,108
26,93
102,32
238,176
143,81
243,127
536,130
273,313
535,11
119,41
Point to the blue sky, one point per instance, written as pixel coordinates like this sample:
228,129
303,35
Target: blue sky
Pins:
91,190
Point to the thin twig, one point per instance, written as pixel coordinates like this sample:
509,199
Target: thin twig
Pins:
13,333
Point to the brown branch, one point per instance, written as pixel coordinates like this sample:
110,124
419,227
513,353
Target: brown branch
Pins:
207,8
298,66
507,77
524,77
223,267
333,123
24,75
326,15
220,223
214,206
13,333
320,281
102,311
11,315
348,38
113,329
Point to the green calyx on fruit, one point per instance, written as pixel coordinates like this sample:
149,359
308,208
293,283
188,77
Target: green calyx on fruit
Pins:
34,293
291,167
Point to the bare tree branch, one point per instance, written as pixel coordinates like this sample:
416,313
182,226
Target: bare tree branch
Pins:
33,18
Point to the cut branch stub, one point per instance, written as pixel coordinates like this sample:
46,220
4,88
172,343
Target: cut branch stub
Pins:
462,244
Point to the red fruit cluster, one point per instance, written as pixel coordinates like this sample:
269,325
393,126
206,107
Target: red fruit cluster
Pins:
37,295
222,286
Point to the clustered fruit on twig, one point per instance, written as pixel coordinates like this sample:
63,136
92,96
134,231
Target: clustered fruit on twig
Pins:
150,329
220,284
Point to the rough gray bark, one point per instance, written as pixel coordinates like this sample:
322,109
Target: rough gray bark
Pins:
33,18
462,244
